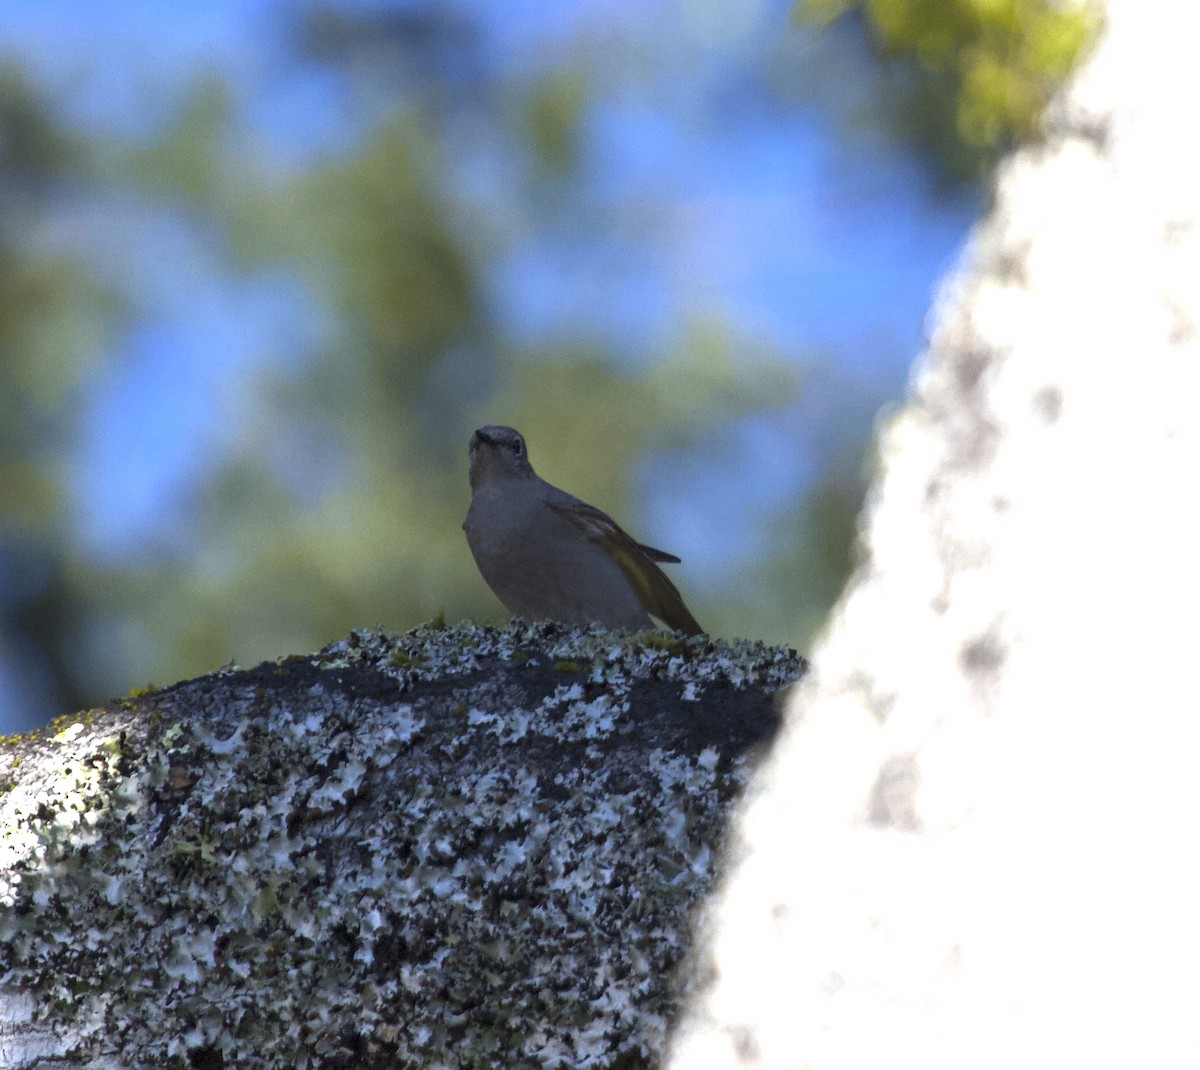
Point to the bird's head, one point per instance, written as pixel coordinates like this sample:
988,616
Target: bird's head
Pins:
498,452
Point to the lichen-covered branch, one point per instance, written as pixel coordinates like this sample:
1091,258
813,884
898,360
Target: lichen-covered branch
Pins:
459,847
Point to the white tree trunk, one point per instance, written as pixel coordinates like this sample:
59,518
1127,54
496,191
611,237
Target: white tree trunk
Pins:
975,844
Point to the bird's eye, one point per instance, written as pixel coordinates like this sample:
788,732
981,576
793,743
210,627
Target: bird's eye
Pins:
516,446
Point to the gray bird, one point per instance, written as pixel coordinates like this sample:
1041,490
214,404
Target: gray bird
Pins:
549,556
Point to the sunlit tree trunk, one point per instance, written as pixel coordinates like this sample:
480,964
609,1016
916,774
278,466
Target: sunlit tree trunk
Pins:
975,843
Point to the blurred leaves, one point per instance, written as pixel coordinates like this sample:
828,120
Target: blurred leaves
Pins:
976,74
553,115
52,311
189,159
54,321
31,147
406,366
811,549
377,234
332,491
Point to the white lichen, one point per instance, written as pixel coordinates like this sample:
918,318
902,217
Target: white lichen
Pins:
460,846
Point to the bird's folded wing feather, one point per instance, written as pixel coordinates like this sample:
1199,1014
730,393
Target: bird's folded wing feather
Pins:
657,593
657,555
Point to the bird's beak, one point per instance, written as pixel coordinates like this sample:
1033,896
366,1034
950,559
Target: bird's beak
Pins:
480,461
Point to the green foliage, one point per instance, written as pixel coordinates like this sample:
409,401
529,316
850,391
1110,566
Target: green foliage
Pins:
55,326
809,553
32,146
189,158
979,72
553,112
674,404
339,499
389,396
373,233
52,311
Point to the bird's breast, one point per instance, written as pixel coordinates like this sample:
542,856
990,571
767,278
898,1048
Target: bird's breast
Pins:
541,565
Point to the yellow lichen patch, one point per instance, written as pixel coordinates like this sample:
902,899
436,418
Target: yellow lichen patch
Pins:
401,659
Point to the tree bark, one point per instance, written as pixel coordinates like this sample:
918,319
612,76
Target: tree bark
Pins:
461,847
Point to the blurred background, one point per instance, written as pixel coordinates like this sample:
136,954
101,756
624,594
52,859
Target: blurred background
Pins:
264,266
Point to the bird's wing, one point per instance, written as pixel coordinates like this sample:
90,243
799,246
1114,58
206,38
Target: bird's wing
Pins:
657,593
657,555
